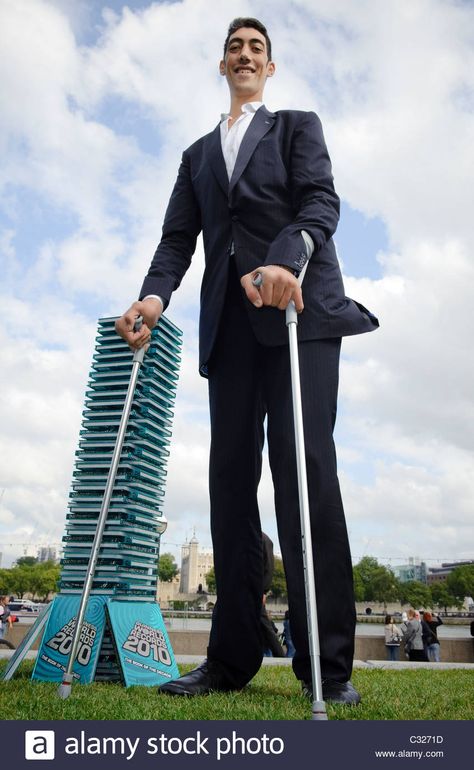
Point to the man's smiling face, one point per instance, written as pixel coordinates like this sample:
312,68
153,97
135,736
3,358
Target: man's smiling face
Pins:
246,65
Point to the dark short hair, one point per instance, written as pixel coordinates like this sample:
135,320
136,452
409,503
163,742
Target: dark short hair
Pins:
252,24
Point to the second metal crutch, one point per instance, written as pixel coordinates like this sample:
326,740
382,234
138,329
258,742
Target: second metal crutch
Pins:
64,689
319,706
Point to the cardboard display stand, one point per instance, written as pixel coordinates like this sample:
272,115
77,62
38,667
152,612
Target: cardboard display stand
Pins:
127,640
142,646
55,647
123,636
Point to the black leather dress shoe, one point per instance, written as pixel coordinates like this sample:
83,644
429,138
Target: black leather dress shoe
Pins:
200,681
334,692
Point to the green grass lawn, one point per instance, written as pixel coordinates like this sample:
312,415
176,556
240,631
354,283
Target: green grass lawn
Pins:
273,694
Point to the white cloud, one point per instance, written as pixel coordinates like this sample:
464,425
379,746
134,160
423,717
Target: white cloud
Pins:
92,134
411,510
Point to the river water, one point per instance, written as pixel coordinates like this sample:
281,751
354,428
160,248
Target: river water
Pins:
362,629
182,623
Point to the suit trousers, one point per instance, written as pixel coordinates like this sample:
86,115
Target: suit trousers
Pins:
249,382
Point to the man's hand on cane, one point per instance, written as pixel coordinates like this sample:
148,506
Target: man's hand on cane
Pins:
150,310
277,288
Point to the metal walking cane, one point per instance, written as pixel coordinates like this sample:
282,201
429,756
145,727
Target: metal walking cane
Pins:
64,689
319,706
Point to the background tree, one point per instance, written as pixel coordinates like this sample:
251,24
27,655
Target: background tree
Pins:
416,594
211,581
363,574
278,587
442,596
460,583
38,579
26,561
44,579
384,586
4,581
167,567
19,581
359,590
373,582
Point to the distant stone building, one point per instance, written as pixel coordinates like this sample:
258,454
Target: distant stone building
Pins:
167,592
195,565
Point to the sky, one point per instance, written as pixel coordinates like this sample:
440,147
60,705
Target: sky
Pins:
98,101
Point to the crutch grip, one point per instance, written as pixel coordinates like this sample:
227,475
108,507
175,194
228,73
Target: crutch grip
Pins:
139,354
309,245
291,316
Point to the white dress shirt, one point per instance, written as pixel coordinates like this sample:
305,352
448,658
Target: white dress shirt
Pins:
231,136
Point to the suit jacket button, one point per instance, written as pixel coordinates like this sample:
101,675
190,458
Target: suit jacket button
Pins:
235,218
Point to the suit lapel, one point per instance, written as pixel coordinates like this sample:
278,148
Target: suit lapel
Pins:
216,159
261,123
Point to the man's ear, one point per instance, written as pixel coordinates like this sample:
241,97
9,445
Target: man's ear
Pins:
270,69
222,67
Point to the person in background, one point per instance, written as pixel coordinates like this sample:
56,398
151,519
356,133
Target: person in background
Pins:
5,619
413,638
288,641
271,642
393,637
433,647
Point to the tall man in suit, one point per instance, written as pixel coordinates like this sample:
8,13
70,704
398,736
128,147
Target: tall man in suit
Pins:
251,186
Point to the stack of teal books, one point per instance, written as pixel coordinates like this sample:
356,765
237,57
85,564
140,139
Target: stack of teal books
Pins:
127,566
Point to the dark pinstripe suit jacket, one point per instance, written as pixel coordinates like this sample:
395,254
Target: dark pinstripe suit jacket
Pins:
282,184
